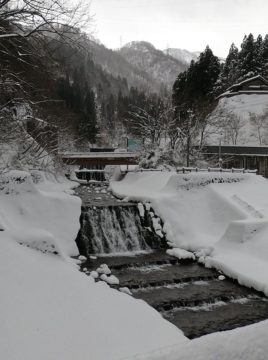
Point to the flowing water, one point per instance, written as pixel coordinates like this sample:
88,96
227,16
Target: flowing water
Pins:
112,229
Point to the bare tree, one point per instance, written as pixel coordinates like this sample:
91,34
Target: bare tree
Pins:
28,17
260,125
225,124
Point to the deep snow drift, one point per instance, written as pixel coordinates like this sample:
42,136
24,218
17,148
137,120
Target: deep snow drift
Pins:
48,309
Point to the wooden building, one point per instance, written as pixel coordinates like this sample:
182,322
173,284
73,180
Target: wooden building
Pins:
236,156
253,85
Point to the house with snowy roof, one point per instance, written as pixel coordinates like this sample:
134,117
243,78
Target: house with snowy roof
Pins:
240,135
254,85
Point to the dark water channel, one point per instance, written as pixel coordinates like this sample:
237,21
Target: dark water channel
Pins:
187,294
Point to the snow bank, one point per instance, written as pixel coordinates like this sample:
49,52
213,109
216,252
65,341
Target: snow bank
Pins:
221,217
49,309
39,215
247,343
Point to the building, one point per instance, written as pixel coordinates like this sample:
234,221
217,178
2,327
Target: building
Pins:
242,157
253,85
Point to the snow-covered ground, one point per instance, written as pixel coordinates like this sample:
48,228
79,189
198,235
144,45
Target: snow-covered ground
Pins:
242,129
48,309
247,343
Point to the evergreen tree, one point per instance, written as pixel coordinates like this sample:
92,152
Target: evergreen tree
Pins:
194,89
229,73
248,59
88,117
258,53
264,56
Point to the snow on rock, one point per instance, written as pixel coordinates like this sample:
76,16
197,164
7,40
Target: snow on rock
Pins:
180,253
111,280
94,274
156,224
82,258
221,277
141,209
147,206
125,290
104,269
104,277
159,233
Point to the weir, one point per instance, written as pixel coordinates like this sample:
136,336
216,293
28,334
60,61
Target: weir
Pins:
112,229
197,300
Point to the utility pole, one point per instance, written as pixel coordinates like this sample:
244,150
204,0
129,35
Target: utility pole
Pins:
220,158
189,125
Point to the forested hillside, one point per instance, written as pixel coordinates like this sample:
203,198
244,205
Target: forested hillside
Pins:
162,67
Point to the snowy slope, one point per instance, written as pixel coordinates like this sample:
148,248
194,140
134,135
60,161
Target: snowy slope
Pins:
161,67
183,55
242,106
48,309
247,343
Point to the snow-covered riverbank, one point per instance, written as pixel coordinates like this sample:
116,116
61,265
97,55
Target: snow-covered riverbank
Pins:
50,310
221,217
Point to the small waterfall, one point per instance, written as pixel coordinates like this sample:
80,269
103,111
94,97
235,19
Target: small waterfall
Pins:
113,229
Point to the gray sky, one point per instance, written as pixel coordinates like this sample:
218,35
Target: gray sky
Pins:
185,24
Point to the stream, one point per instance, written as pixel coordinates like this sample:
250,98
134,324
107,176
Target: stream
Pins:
197,300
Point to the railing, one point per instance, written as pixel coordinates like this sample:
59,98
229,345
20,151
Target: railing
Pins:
185,170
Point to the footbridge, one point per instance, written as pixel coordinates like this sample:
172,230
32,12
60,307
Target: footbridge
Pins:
93,159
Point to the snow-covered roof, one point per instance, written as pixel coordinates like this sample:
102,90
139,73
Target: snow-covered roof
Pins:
257,77
234,89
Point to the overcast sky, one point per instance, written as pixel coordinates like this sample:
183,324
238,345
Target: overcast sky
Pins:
185,24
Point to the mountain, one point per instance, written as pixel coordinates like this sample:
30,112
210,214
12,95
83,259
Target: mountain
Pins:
183,55
115,64
160,67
